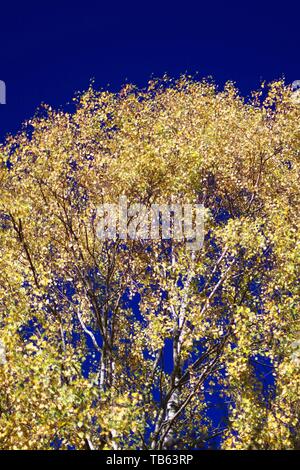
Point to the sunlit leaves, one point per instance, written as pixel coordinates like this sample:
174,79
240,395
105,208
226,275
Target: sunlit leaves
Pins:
86,364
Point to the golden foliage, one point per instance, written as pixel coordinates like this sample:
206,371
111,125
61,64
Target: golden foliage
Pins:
232,303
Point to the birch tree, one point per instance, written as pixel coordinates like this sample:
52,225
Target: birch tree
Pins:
113,344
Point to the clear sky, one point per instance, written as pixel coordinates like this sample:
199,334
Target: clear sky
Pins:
49,50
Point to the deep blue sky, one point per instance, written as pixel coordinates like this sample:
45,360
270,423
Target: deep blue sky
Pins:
49,50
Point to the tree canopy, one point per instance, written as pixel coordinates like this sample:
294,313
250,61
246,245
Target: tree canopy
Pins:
137,345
